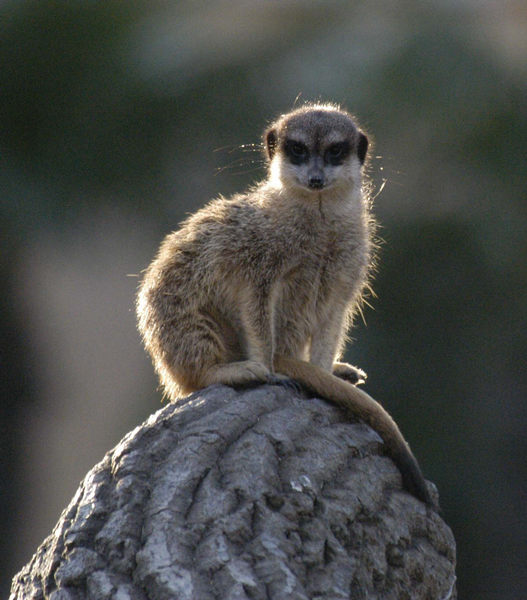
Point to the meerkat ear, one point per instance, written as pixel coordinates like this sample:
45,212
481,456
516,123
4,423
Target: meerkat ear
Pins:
271,138
362,147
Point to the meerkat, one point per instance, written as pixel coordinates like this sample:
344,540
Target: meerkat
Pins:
266,283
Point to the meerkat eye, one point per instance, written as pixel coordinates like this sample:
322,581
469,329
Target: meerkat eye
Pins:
296,151
336,153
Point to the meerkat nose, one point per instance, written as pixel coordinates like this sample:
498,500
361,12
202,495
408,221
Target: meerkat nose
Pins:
316,182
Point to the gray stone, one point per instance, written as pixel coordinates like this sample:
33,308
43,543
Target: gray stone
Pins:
258,493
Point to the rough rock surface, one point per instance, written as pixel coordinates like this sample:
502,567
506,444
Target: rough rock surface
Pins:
255,494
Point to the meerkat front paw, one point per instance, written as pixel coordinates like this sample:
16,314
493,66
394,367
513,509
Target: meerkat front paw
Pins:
238,373
349,373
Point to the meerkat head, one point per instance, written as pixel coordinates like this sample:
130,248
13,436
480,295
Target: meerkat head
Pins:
315,148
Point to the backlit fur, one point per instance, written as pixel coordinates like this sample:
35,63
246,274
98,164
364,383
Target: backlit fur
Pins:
269,281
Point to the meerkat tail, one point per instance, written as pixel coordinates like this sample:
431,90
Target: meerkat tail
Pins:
359,404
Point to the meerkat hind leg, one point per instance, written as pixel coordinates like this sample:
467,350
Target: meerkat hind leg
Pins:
239,373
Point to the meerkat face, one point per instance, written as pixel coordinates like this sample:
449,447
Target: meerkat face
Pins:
316,148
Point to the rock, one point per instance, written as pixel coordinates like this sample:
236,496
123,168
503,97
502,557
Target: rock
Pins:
249,494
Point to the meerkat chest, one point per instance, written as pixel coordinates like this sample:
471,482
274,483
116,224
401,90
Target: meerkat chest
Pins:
330,256
331,265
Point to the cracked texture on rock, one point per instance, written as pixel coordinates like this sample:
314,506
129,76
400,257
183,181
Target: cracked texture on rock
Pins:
256,494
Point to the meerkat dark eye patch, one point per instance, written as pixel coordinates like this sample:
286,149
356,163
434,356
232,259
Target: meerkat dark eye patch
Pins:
297,152
337,153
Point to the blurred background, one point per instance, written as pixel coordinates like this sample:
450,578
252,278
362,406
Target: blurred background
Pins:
119,118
